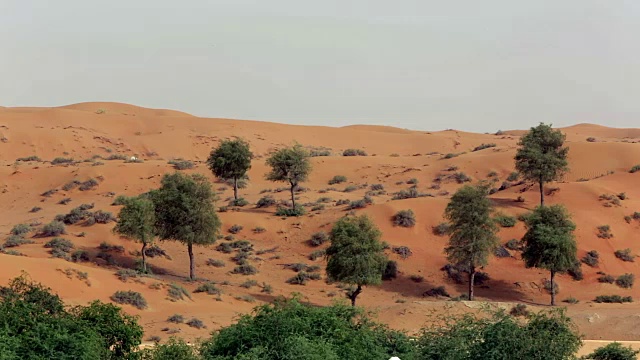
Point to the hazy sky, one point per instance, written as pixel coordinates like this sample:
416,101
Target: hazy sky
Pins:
420,64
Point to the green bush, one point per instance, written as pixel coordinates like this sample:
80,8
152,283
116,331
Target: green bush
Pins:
609,299
215,263
625,281
61,160
604,232
245,269
103,217
129,298
606,279
404,218
88,185
54,228
591,258
403,251
483,146
196,323
60,244
513,176
288,212
29,158
177,292
176,319
265,201
519,310
80,256
625,255
240,202
20,229
461,178
236,229
338,179
180,164
15,241
505,221
514,244
441,229
209,288
613,351
377,187
317,254
302,277
437,291
390,270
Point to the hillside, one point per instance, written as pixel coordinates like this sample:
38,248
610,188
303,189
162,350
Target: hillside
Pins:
90,133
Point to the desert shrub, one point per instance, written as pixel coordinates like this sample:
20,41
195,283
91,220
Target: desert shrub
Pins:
591,258
513,176
54,228
88,185
319,152
180,164
411,193
245,269
20,229
266,201
35,209
437,291
377,187
505,220
117,157
342,202
64,201
354,152
358,204
606,279
576,272
519,310
450,156
412,181
249,284
613,351
610,299
323,200
61,160
441,229
120,200
80,256
514,244
288,212
104,246
71,185
223,209
59,244
604,232
239,202
625,281
338,179
622,196
571,300
318,207
416,278
317,254
483,146
196,323
103,217
126,274
350,188
176,319
209,288
215,263
501,252
176,292
129,297
15,241
302,277
29,158
627,219
404,218
591,139
403,251
235,229
259,230
635,169
461,177
390,270
625,255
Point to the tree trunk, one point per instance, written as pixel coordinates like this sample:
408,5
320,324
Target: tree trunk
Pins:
541,192
192,263
235,188
144,257
553,293
472,277
293,196
354,295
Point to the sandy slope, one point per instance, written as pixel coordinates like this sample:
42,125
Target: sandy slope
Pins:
83,130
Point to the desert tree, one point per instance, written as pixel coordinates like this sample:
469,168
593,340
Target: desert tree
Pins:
549,242
290,165
356,254
541,156
472,231
184,210
136,221
231,160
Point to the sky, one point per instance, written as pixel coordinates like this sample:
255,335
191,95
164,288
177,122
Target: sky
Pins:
417,64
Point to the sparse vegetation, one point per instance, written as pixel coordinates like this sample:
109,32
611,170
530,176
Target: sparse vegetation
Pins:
625,255
317,254
176,319
609,299
519,310
289,212
129,298
196,323
235,229
354,152
604,232
266,201
591,258
441,229
61,160
403,251
239,202
20,229
181,164
483,146
176,292
625,281
209,288
404,218
54,228
338,179
606,279
514,244
505,221
635,169
245,269
15,241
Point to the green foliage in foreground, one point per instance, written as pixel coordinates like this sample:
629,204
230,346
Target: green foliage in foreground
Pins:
34,324
613,351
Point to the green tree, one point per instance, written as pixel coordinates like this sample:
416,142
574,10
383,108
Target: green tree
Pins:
174,349
290,165
472,235
136,221
541,157
184,207
231,160
549,242
613,351
356,254
290,329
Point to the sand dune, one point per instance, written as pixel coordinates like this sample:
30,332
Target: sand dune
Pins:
82,131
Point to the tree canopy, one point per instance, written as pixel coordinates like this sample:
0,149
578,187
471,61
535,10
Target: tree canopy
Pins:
184,210
136,221
549,242
231,160
356,254
541,157
472,231
290,165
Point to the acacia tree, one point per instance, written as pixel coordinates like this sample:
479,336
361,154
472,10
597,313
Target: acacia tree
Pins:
472,235
290,165
356,254
541,157
136,221
184,208
549,242
231,160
